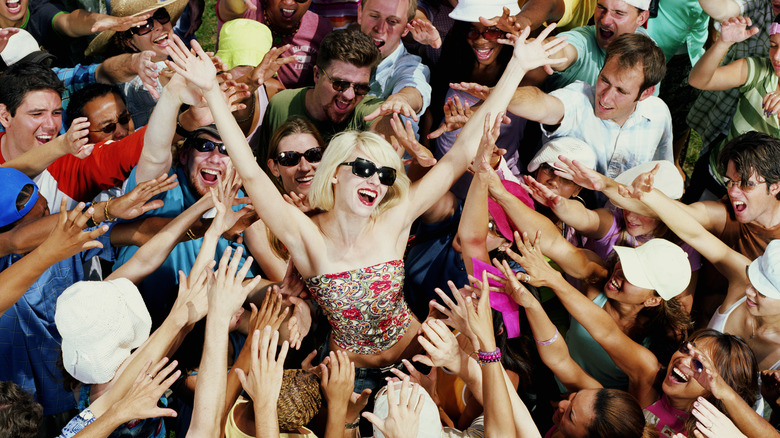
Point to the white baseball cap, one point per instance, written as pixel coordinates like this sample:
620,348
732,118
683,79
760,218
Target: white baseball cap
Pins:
641,4
570,147
658,264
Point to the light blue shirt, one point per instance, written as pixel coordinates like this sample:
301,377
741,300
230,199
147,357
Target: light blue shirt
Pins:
400,70
645,136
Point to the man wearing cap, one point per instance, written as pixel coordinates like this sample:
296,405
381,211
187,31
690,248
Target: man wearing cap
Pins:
400,78
338,100
201,164
618,117
586,52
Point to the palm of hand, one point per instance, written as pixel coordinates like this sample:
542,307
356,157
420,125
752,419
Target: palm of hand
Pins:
735,32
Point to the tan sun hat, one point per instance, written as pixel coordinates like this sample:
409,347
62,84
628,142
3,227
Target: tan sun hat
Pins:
127,8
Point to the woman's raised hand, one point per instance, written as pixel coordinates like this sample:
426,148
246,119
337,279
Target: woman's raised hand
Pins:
481,318
536,53
197,68
737,29
513,287
538,271
541,193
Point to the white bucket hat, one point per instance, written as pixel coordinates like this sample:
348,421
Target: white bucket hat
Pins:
570,147
668,179
659,265
764,272
100,323
470,10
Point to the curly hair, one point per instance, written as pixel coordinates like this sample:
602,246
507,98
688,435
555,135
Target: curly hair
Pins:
19,413
299,399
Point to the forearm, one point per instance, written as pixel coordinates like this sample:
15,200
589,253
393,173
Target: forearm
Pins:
266,421
533,104
33,162
256,241
337,418
720,10
28,237
579,217
745,418
18,277
412,97
472,230
212,376
103,425
231,9
156,155
76,24
117,69
703,73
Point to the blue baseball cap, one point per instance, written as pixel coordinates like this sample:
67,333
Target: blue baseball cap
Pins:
13,181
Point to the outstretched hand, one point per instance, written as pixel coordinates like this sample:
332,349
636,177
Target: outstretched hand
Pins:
270,64
404,134
264,380
641,185
424,32
579,173
541,193
737,29
141,399
536,53
538,271
506,22
456,114
440,345
76,140
134,204
403,411
67,238
197,68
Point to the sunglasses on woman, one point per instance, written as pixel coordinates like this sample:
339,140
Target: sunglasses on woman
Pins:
340,85
123,120
490,34
292,158
160,15
205,145
366,169
697,365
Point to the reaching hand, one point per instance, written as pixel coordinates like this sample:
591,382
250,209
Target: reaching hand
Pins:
487,150
456,114
457,311
264,380
440,345
76,140
271,312
534,54
424,32
141,399
403,411
542,194
300,201
67,238
119,24
513,287
580,174
226,291
407,140
5,35
193,295
538,271
737,29
427,381
338,379
133,204
712,423
300,323
198,69
481,92
642,184
146,70
293,285
481,317
506,22
270,64
394,104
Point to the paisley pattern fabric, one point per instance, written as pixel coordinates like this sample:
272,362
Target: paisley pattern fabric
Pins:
365,306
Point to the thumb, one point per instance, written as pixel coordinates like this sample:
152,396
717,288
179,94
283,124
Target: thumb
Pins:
437,133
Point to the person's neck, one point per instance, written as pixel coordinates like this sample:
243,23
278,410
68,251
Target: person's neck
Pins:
624,314
8,148
771,218
314,110
621,121
768,325
347,227
681,404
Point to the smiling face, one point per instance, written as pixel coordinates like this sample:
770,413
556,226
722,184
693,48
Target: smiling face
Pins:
638,225
359,196
156,40
296,178
679,383
204,168
759,304
385,22
622,291
12,12
284,16
485,50
38,119
103,111
327,104
575,414
617,91
754,202
614,18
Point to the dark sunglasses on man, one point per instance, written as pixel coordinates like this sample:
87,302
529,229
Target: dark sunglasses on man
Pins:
490,34
340,85
366,169
201,144
292,158
160,15
123,120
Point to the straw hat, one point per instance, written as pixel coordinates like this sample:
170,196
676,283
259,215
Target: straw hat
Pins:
126,8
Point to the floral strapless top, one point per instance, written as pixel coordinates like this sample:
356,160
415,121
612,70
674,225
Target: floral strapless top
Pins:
365,306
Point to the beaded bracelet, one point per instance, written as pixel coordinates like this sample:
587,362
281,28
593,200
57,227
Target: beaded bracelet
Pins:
549,341
485,358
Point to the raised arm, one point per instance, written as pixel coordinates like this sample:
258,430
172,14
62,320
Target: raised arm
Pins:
33,162
639,363
707,74
534,104
720,10
288,223
527,56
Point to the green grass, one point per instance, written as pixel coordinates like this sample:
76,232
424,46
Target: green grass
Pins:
694,148
207,34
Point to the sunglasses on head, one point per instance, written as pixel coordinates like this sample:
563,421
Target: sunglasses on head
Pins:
123,119
205,145
160,15
292,158
490,34
361,89
366,169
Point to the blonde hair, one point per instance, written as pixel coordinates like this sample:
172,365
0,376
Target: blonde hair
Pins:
340,148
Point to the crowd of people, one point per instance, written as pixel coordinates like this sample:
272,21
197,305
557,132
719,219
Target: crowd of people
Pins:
390,218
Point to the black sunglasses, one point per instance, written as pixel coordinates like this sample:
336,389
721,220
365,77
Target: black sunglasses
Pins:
339,85
123,119
697,365
160,15
201,144
366,169
292,158
490,34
